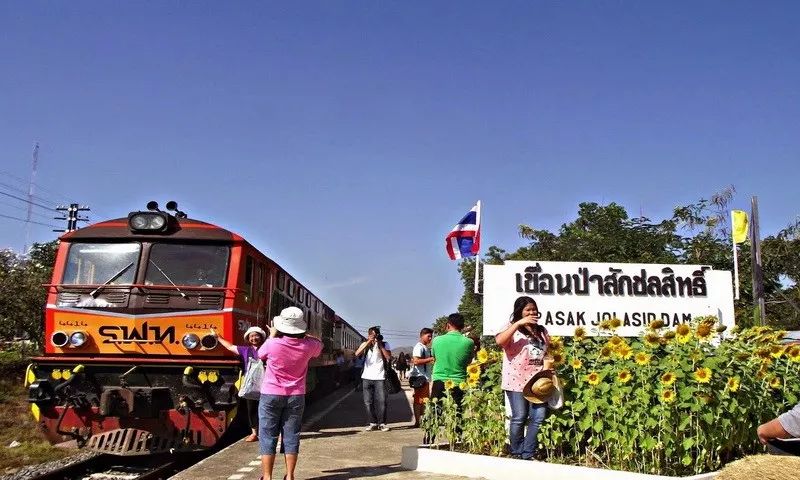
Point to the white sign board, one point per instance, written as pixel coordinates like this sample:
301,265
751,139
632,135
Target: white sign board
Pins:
582,294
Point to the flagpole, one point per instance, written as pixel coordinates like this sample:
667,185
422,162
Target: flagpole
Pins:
478,255
735,262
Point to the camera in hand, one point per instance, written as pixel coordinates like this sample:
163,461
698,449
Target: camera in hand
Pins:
379,338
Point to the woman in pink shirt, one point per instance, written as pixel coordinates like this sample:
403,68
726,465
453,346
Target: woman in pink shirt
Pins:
283,391
524,343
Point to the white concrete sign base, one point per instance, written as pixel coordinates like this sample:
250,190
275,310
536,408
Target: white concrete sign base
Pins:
425,459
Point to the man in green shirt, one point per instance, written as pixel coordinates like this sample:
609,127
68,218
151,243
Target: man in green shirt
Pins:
452,352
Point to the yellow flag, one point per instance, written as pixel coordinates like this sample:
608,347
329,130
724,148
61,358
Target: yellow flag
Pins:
738,226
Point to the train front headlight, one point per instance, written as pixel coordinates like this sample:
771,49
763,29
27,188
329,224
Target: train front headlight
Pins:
190,341
148,222
59,339
77,339
209,342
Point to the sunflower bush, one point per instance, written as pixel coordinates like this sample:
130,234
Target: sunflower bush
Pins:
671,402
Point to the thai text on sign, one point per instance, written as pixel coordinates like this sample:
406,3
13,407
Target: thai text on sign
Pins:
583,294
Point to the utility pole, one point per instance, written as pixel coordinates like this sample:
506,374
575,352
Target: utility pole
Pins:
34,165
72,216
755,250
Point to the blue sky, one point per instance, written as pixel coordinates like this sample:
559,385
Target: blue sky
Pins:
345,139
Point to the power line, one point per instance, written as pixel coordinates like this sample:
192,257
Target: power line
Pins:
20,179
22,191
27,201
20,208
31,221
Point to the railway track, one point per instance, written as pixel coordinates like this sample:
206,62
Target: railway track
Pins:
111,467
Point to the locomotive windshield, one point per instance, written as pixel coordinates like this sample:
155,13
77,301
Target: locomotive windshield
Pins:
187,265
98,263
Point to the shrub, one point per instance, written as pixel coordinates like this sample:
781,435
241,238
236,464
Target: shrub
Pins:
671,402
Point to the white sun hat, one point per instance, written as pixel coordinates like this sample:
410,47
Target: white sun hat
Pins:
257,330
290,321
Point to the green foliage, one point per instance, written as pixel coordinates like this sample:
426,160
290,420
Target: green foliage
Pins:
670,404
480,428
695,234
22,297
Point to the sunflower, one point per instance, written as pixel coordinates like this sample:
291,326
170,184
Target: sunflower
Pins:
605,325
474,369
616,341
449,384
669,335
462,386
763,353
683,329
576,363
794,353
684,338
668,378
579,334
641,358
704,331
473,382
667,396
483,356
775,383
426,400
593,378
651,339
624,352
556,343
615,323
733,384
702,375
558,358
776,351
656,324
624,376
605,352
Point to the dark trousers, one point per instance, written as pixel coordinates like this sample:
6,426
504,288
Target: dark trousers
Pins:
779,447
438,391
375,400
252,413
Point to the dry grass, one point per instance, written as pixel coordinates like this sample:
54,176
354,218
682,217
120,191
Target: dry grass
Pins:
762,467
16,423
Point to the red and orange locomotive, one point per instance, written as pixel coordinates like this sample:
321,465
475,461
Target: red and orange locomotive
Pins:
130,366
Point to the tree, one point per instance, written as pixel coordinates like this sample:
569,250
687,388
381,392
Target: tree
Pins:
695,234
22,297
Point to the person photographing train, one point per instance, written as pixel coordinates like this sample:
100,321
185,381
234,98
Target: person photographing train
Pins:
373,377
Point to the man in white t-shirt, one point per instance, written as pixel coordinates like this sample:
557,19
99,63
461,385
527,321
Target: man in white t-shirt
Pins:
422,368
373,378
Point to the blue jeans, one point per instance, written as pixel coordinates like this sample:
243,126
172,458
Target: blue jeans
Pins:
375,400
522,410
280,414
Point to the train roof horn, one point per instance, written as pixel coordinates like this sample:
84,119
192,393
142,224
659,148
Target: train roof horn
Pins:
172,206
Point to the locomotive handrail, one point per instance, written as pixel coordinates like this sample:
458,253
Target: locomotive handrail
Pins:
143,286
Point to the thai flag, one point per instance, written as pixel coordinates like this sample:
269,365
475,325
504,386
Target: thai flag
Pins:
465,239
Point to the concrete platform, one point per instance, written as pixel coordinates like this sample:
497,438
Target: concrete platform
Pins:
333,446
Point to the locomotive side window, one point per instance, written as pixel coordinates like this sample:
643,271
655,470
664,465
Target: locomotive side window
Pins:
281,281
248,277
97,263
188,265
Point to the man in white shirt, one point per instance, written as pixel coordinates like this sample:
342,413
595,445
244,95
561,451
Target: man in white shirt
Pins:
373,378
422,368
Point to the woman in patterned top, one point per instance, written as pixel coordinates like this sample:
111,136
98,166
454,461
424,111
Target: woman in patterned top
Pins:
524,343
